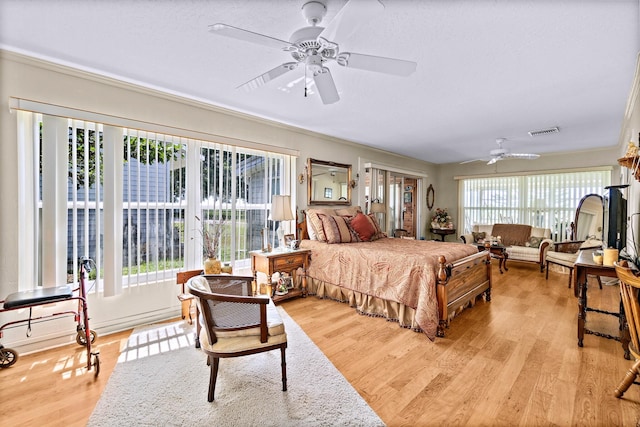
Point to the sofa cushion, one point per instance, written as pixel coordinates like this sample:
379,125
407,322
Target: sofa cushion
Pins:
478,237
522,253
545,233
534,242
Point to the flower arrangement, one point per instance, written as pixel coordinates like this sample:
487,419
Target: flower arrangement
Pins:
441,217
211,234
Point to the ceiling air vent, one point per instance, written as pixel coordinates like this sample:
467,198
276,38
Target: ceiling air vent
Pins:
543,131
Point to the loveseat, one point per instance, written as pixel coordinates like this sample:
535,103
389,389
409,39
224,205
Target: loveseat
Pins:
524,242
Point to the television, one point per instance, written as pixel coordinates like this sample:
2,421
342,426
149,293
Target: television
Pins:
615,217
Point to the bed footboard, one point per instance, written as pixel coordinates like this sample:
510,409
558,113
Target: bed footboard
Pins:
460,283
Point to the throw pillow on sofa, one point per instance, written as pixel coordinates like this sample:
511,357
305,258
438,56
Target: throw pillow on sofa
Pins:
534,242
478,237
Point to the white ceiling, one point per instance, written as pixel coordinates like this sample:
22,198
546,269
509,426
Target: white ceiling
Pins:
486,68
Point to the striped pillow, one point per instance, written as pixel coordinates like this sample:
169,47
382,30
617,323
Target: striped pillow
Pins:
337,230
316,231
379,234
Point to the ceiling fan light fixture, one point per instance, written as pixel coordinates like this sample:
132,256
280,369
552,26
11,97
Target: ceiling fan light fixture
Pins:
554,129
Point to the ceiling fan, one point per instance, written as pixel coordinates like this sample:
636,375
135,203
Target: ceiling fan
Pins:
314,47
502,153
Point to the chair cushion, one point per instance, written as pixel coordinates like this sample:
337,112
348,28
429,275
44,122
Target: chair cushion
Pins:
238,344
562,258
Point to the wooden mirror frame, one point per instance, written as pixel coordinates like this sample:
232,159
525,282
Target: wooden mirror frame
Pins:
574,224
321,163
431,197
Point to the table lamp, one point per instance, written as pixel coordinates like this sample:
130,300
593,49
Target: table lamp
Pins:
281,211
377,206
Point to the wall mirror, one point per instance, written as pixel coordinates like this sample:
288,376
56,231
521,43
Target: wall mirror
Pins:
431,196
328,183
589,220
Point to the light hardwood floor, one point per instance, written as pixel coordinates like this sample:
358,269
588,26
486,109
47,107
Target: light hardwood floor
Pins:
513,361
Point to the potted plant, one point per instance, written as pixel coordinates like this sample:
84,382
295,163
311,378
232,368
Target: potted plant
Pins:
211,234
441,219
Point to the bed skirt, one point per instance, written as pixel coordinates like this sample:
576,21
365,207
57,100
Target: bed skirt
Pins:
365,304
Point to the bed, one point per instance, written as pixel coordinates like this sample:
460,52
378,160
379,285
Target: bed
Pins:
420,284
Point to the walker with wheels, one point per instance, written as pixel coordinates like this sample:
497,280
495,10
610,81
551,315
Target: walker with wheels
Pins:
43,296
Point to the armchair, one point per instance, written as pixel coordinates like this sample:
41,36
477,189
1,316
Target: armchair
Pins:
565,254
234,323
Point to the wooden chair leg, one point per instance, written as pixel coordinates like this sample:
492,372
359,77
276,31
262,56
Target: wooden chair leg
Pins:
284,368
628,379
185,308
570,277
198,328
212,378
547,275
599,281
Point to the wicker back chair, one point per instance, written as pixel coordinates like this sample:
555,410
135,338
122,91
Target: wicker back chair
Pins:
234,323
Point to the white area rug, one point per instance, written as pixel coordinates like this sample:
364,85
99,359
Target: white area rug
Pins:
162,380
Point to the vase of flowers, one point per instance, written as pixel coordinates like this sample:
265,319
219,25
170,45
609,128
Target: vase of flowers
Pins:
211,234
441,219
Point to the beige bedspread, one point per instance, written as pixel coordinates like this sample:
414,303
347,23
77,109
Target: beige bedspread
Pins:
399,270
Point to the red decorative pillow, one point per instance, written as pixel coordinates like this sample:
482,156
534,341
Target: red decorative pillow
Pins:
337,230
363,226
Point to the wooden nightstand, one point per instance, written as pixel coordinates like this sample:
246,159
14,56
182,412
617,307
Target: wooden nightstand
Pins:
286,261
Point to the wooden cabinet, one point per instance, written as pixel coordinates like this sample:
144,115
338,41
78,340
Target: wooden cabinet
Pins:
286,261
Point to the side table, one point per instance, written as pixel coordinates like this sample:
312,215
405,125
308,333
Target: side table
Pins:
583,267
442,232
497,251
281,261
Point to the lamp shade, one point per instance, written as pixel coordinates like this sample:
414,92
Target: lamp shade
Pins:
281,208
377,207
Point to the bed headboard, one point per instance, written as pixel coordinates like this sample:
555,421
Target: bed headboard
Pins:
301,227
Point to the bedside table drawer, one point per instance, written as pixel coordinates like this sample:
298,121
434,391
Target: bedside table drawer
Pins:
289,262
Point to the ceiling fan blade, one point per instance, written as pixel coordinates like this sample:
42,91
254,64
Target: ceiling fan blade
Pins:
492,161
326,86
249,36
350,18
522,156
380,64
474,160
265,78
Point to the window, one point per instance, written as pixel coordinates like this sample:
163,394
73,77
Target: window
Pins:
546,200
130,200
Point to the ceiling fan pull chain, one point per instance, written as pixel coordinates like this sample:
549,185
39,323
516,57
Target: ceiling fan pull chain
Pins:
305,81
